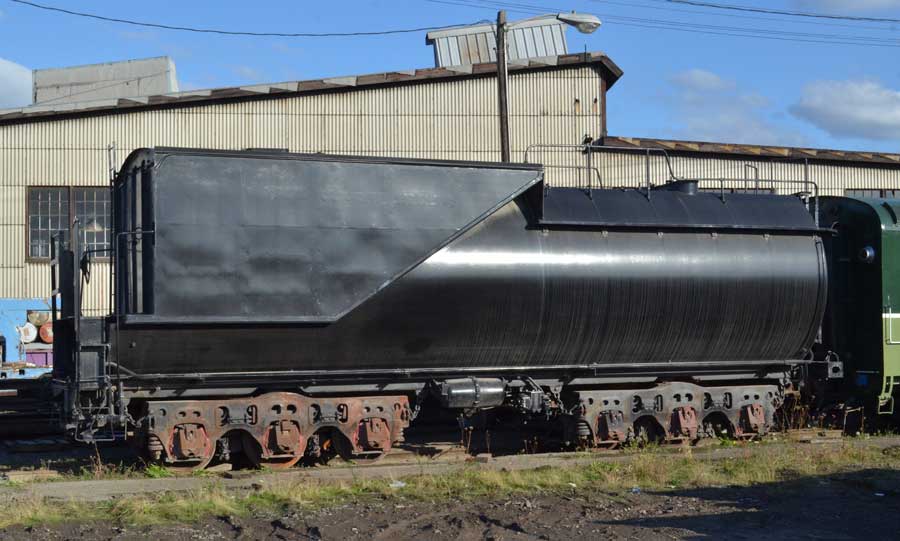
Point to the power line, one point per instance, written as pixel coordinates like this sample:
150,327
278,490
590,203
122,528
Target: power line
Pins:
682,26
229,32
752,9
767,31
768,18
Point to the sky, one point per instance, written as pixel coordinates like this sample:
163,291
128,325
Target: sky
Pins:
782,80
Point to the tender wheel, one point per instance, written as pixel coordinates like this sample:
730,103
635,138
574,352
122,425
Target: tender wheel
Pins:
345,451
178,466
189,466
190,448
253,452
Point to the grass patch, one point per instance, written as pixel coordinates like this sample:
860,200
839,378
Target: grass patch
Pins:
651,470
99,470
156,471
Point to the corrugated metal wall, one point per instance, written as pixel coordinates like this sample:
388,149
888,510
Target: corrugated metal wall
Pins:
445,119
614,168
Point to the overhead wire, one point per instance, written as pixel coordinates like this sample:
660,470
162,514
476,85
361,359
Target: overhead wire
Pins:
230,32
639,22
773,11
872,39
684,26
764,17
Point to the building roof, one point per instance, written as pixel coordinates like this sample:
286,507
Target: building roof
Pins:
611,73
757,151
529,38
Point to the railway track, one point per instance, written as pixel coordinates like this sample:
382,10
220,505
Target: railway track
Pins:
394,466
429,446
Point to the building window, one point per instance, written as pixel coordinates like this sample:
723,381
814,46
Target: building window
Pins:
92,212
873,194
49,212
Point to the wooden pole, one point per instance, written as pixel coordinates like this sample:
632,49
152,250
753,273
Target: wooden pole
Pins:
502,81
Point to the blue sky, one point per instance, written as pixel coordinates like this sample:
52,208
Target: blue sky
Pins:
677,83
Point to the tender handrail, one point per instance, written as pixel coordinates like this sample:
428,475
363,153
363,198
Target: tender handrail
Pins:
588,168
590,148
757,181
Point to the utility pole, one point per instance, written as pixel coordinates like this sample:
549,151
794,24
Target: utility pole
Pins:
584,23
502,90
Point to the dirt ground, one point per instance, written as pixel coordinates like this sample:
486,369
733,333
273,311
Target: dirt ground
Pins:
859,505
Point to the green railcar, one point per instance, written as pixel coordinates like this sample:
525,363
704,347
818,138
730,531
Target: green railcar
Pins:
862,319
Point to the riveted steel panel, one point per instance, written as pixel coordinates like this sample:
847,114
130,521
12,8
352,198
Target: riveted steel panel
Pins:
669,209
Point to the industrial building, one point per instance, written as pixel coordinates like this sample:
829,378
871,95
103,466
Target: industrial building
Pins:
54,158
746,167
56,155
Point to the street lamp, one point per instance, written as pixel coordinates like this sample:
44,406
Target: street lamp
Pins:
583,22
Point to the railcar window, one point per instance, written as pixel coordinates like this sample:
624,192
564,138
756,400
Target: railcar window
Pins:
50,211
873,193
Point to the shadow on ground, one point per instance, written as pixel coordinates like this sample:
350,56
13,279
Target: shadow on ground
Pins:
56,455
852,505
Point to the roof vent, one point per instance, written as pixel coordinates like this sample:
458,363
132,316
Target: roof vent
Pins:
528,38
109,81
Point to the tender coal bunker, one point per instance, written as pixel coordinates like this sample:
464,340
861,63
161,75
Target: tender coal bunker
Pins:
262,239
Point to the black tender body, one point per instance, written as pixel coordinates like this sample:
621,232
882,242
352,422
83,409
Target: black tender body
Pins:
282,266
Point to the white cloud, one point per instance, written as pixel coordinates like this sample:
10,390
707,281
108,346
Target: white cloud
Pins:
704,106
863,109
15,85
847,5
699,80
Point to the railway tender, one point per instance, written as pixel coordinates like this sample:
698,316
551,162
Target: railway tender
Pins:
275,306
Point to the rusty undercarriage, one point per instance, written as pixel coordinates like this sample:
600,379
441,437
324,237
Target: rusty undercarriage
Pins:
280,429
676,412
275,430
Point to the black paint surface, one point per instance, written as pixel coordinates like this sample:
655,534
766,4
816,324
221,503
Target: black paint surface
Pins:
508,292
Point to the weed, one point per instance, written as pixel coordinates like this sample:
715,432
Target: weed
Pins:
156,471
725,441
97,467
